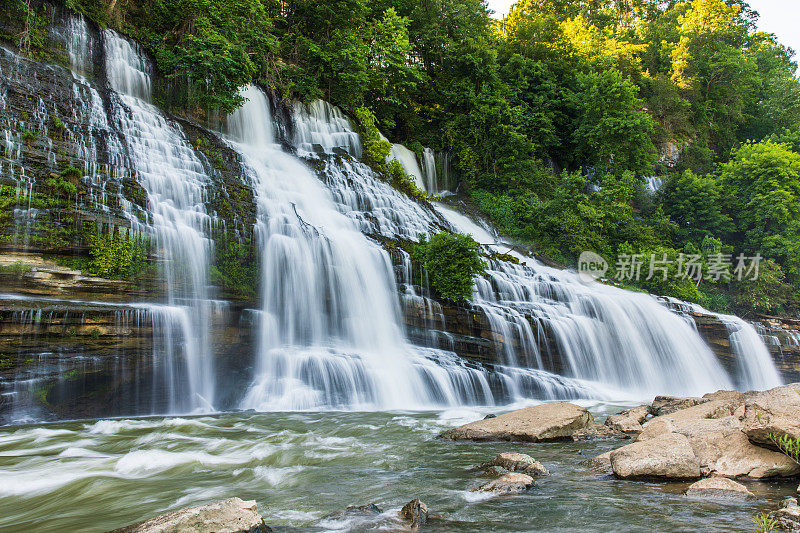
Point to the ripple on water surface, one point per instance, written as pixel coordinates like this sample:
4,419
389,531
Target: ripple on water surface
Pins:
304,468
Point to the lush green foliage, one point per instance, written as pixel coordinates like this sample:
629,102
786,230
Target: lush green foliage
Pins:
788,445
451,262
115,254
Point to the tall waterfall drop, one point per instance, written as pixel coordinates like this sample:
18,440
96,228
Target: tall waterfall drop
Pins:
330,334
173,177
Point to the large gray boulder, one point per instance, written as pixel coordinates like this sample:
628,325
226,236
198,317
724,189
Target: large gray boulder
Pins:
714,432
667,456
542,423
776,411
226,516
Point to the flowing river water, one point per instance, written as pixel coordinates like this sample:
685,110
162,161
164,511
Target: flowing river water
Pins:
304,468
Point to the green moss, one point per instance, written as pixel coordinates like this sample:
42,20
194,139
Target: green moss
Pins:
57,127
28,137
7,361
235,268
17,269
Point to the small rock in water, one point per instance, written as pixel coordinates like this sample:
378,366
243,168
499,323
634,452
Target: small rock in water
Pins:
788,502
518,462
717,486
226,516
364,509
511,483
355,510
415,513
490,415
788,516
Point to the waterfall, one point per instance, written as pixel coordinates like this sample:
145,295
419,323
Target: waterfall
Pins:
330,329
624,339
174,178
756,369
330,334
319,126
429,170
408,160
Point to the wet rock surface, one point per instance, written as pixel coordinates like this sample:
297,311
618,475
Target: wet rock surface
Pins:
516,462
712,437
542,423
226,516
718,487
415,514
511,483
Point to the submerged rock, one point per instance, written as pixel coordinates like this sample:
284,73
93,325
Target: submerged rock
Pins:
776,411
511,483
355,510
666,456
225,516
542,423
493,471
630,421
517,462
415,513
602,461
718,487
788,516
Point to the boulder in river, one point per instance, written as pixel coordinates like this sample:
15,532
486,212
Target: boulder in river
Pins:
542,423
225,516
776,411
666,456
715,432
629,422
511,483
415,514
718,487
518,462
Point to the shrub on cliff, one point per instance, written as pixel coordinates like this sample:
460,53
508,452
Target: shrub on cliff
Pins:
452,263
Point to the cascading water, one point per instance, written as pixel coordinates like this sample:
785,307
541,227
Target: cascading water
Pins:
429,170
321,126
408,160
174,178
330,329
755,368
330,336
627,340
